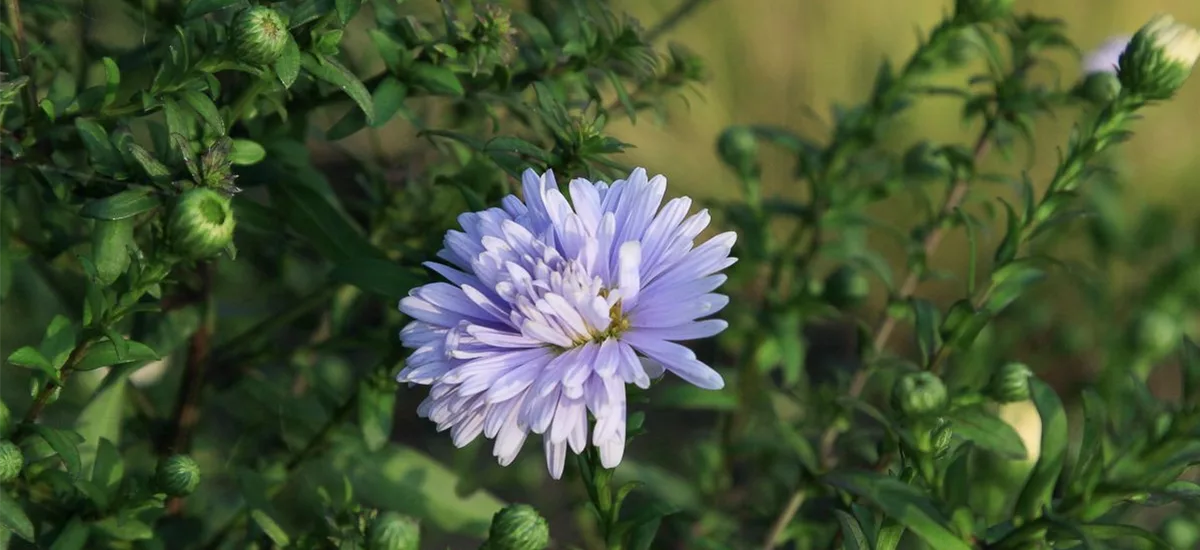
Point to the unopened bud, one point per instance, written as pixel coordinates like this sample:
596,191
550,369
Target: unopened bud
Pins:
739,149
846,287
1010,384
201,224
11,461
1099,88
1159,58
259,35
393,531
177,476
518,527
1157,333
918,394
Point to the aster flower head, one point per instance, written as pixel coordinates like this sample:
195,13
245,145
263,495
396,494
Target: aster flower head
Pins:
553,305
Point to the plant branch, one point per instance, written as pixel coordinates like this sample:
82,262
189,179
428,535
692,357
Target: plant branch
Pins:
187,403
954,199
47,391
29,95
673,19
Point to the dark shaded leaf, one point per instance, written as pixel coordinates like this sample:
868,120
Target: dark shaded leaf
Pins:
901,502
383,277
981,427
13,518
64,443
330,70
105,354
1039,489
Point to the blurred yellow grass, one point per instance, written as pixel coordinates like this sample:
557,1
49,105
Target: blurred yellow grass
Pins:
772,60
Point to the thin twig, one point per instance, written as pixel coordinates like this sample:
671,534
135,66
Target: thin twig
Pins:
13,9
43,396
673,19
191,388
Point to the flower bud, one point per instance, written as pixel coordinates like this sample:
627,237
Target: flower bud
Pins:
201,224
739,149
11,461
1157,333
177,476
259,35
518,527
1098,88
846,287
1010,384
981,11
1181,532
393,531
1159,58
919,394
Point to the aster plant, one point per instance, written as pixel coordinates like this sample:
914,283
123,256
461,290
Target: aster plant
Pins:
210,210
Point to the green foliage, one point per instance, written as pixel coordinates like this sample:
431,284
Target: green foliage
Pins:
204,238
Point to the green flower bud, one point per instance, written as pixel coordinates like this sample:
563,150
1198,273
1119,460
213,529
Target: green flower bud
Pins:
980,11
919,394
177,476
518,527
201,224
1159,58
1010,384
846,287
738,148
11,461
259,35
1157,333
1099,88
392,531
5,415
1180,532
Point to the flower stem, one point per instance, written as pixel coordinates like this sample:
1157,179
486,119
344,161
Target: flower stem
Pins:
43,396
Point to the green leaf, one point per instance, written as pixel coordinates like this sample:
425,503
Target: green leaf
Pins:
287,67
95,139
197,8
125,527
410,482
179,122
383,277
30,358
1039,490
102,355
901,502
622,95
517,145
1140,538
389,99
100,422
108,468
111,240
311,214
246,153
350,123
927,320
346,9
256,494
64,443
642,535
438,80
328,69
204,106
112,80
73,537
59,340
376,408
125,204
1012,237
158,172
977,425
13,518
853,537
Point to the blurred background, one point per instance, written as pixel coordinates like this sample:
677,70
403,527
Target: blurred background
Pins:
784,63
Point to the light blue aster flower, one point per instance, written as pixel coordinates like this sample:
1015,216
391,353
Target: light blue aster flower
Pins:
553,306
